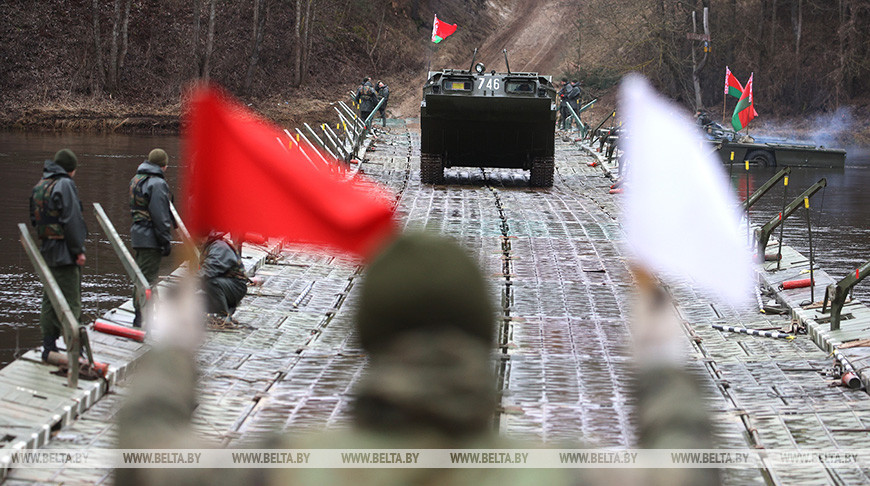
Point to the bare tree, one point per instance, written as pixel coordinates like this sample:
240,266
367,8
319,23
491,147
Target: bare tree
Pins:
299,46
113,47
98,74
195,37
209,43
260,12
375,43
305,45
696,66
797,18
124,36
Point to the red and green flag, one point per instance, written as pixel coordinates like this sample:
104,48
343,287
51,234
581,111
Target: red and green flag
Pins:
744,112
441,30
732,85
240,180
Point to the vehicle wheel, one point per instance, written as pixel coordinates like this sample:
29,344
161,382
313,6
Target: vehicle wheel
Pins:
761,158
431,169
541,174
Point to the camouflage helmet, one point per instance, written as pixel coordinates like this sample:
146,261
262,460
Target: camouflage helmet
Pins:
423,281
158,157
66,159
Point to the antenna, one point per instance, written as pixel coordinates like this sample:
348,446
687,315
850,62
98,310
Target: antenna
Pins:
506,61
473,58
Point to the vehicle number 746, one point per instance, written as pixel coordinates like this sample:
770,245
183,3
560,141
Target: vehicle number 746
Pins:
488,82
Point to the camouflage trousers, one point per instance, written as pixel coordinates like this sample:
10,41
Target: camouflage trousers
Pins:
69,279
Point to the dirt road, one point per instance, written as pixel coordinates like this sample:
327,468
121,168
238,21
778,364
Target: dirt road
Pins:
533,32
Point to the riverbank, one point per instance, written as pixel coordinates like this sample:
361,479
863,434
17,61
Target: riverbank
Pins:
89,115
848,127
95,115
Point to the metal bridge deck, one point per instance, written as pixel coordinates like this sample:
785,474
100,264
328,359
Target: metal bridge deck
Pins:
557,268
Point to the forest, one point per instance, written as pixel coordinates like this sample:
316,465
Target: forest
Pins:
76,63
71,63
806,55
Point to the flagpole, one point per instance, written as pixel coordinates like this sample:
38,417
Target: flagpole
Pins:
751,100
725,95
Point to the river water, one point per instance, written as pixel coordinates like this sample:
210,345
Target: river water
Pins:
839,214
840,219
106,164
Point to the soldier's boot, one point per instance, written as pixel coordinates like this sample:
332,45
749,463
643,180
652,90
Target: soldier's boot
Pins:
49,344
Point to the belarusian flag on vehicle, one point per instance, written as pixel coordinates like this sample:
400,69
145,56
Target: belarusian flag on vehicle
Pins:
732,85
744,112
441,30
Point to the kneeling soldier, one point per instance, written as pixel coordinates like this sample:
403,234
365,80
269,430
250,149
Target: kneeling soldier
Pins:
223,275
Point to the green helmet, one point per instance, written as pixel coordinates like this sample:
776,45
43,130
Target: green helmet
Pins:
423,281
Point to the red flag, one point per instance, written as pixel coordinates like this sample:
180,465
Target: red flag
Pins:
441,30
732,85
241,180
744,112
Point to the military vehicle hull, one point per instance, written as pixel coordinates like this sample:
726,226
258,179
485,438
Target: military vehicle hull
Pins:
781,154
488,120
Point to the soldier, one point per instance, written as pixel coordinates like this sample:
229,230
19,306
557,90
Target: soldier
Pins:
383,93
151,232
56,212
223,275
426,320
367,98
573,97
563,104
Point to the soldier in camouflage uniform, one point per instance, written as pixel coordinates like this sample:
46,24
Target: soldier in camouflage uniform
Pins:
56,212
223,275
426,321
367,98
151,232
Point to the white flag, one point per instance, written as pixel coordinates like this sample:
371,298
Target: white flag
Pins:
681,215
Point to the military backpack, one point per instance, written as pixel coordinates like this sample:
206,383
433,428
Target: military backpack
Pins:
367,91
138,201
47,219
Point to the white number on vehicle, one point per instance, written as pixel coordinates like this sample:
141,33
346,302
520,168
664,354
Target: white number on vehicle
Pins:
490,83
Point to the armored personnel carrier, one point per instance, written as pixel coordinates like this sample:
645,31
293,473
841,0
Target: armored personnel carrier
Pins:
474,118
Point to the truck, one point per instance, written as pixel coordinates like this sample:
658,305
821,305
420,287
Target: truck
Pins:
474,118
